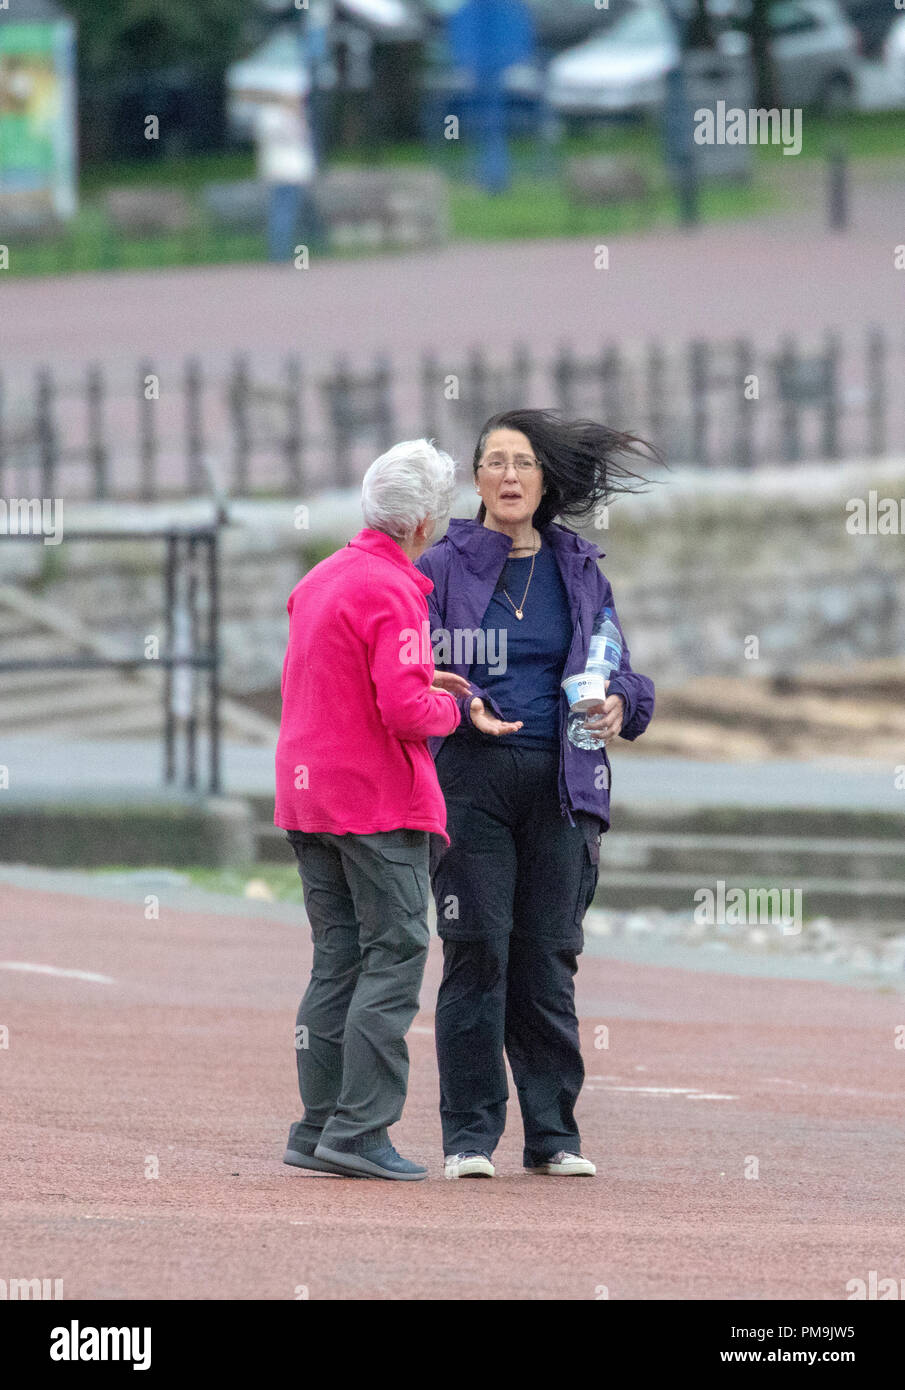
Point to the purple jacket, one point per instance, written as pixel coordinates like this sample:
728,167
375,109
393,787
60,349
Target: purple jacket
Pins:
465,566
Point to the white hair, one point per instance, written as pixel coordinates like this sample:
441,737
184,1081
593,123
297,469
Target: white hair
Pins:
410,483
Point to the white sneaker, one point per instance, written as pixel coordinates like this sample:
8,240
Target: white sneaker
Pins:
469,1165
565,1165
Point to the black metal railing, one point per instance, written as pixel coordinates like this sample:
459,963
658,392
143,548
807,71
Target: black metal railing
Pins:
289,429
192,616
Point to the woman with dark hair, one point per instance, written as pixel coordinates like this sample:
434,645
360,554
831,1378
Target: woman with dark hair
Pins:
513,607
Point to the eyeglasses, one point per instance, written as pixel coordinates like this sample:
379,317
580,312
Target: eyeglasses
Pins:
500,465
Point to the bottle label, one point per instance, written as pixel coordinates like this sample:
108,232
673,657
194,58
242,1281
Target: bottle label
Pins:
604,655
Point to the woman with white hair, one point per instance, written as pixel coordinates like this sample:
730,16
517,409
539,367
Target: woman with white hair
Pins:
358,795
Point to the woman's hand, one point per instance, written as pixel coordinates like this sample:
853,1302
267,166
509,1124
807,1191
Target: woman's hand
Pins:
606,717
488,723
449,681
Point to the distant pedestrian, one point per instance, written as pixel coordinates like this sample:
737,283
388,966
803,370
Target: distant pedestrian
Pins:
357,792
286,164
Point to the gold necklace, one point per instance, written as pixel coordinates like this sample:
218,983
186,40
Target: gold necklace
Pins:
519,612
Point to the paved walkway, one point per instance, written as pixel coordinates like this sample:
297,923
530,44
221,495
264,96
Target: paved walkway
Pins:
747,1131
763,277
39,768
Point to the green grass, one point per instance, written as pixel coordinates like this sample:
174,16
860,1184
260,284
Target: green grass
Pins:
281,879
90,244
535,206
540,209
189,173
863,134
866,135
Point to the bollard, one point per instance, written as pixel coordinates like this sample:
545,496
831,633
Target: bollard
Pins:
837,188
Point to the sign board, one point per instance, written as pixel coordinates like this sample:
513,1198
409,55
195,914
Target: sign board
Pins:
37,109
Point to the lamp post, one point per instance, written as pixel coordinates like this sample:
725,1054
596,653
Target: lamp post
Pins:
677,119
313,34
315,22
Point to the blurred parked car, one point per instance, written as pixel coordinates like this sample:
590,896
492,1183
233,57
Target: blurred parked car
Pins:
562,23
815,54
873,19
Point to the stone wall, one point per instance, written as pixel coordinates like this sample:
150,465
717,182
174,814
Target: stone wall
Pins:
700,567
699,564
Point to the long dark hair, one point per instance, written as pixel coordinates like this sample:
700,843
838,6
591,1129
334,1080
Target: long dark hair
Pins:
580,460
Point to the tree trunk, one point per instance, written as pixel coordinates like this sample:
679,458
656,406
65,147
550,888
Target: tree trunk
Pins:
700,28
765,93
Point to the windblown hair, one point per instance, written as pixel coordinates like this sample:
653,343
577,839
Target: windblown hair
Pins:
581,461
410,482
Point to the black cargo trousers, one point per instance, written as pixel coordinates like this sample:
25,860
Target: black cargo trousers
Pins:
511,892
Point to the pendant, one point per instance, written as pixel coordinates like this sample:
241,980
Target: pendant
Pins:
519,614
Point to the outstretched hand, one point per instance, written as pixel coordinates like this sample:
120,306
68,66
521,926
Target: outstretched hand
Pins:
488,723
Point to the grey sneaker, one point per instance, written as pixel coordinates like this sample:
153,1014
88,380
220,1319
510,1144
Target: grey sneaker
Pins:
297,1159
373,1163
300,1154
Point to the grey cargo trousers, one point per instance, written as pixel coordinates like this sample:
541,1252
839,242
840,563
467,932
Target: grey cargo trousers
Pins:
366,898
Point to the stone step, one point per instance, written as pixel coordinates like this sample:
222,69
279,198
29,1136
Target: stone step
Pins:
128,703
127,721
772,824
42,680
837,822
56,627
845,878
273,847
27,710
783,859
35,645
843,899
13,625
145,717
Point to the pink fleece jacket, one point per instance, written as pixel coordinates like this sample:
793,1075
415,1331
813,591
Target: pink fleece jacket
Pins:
352,756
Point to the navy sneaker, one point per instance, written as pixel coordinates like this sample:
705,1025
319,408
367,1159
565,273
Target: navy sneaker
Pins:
373,1163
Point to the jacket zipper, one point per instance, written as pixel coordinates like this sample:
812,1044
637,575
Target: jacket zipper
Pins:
565,808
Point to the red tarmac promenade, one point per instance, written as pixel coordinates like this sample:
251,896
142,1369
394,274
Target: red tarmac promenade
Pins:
178,1060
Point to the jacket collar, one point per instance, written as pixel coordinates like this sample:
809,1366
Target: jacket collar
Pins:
379,543
482,548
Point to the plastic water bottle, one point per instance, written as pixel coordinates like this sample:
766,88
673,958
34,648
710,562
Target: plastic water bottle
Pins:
604,657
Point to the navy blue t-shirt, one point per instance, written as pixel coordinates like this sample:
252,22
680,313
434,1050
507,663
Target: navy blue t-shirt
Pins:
535,649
